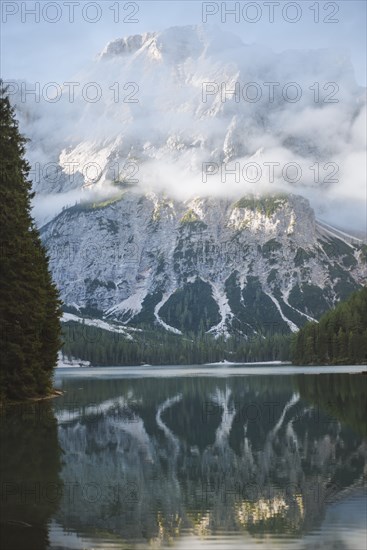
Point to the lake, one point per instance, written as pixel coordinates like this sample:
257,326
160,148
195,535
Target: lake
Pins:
193,457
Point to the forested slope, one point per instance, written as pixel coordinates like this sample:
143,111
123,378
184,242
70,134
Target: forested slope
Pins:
340,337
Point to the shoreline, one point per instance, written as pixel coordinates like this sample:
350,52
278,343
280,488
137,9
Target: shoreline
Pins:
234,363
29,400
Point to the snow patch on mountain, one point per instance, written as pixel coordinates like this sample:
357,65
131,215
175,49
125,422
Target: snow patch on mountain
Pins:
131,306
104,325
224,310
291,325
285,296
159,320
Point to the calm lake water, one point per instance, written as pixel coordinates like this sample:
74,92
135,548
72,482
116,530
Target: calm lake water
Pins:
188,458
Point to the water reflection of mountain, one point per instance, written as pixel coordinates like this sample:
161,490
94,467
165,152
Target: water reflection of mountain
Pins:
147,458
30,482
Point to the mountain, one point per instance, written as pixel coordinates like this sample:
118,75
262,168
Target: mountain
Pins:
260,264
144,223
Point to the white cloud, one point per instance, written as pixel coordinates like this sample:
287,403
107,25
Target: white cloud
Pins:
170,132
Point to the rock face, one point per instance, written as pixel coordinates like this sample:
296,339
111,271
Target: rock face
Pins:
258,264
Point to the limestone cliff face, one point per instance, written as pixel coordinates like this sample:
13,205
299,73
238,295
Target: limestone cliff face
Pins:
238,266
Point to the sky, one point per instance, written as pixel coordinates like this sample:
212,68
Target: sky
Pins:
67,35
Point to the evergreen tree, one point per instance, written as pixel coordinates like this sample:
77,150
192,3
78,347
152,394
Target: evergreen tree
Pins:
340,337
29,302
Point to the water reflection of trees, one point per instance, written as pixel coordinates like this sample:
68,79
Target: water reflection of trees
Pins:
257,454
344,397
30,466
